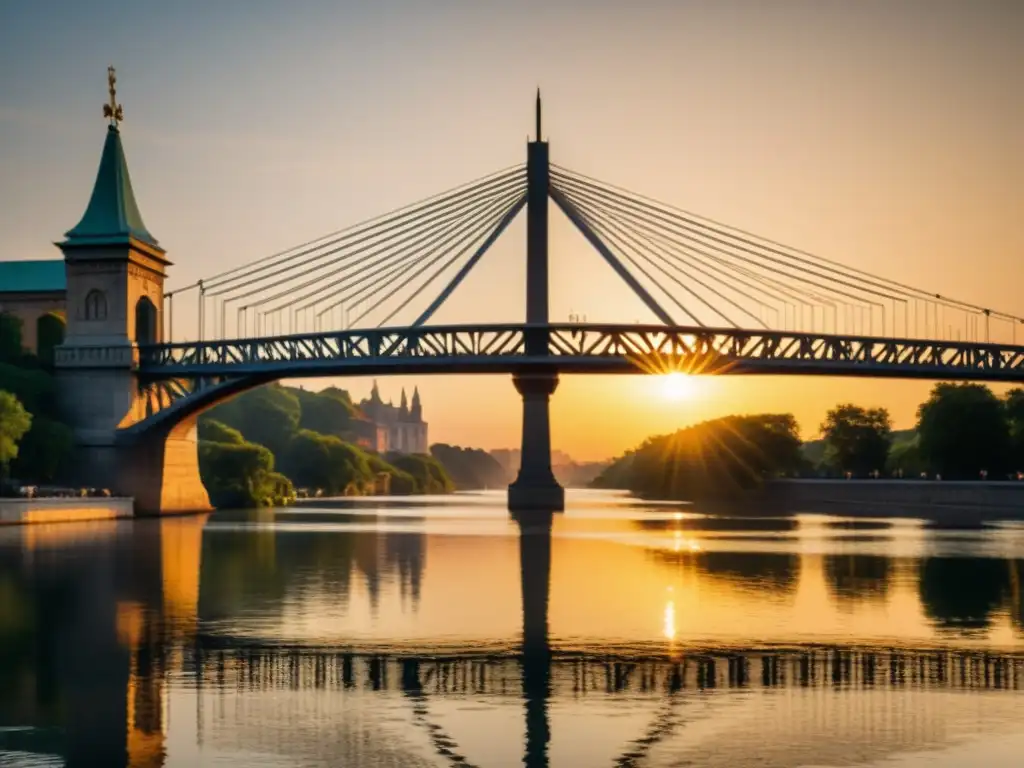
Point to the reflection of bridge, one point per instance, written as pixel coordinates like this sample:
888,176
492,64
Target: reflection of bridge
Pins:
112,621
746,304
236,665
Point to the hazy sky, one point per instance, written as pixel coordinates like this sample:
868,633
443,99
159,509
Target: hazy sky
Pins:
886,135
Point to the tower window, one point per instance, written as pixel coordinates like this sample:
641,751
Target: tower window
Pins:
145,321
95,305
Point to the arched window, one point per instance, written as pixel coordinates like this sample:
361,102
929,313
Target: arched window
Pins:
145,321
95,305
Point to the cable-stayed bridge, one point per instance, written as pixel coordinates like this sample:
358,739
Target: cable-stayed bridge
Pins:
360,301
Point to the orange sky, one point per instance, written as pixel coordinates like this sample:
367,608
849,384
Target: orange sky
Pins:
882,135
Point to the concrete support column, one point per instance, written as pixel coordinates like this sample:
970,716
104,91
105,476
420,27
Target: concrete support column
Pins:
536,486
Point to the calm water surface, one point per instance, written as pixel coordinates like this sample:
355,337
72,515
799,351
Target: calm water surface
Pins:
445,633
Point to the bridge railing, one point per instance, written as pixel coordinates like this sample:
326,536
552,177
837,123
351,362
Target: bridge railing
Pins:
591,347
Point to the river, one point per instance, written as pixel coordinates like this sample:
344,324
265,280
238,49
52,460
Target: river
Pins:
442,632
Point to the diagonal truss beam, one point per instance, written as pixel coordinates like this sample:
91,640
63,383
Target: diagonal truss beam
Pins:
573,214
473,260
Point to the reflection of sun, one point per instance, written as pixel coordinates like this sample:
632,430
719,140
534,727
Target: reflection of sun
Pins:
677,385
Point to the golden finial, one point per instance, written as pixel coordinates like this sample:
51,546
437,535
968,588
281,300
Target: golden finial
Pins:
112,109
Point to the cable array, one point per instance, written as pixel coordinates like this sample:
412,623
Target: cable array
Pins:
366,274
715,275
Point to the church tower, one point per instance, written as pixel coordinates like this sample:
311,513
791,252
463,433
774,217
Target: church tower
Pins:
115,267
115,272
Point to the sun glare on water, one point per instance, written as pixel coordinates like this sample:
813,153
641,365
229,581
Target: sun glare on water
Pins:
677,386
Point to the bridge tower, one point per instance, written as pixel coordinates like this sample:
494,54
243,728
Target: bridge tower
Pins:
536,486
115,276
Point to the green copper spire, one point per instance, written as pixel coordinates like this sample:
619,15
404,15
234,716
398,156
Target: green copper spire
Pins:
113,215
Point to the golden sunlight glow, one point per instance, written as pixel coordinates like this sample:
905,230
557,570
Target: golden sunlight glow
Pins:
677,386
670,620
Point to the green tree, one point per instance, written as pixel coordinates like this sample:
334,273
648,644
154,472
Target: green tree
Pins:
470,468
715,458
329,412
905,458
857,439
216,432
963,430
34,387
268,416
1014,405
241,476
44,452
325,462
429,476
15,421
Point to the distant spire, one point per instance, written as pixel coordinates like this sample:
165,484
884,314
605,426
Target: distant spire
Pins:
375,392
416,414
538,114
404,404
112,216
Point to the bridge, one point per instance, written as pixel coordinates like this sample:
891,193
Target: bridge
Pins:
722,300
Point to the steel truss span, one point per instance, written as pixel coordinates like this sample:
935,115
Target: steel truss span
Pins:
582,348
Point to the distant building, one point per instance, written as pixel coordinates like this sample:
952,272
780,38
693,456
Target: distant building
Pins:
33,292
400,429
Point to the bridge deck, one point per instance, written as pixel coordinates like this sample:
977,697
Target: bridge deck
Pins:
582,348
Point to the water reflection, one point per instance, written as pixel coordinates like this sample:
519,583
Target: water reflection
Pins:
354,636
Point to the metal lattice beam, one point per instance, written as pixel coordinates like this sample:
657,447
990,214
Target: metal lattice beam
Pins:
582,348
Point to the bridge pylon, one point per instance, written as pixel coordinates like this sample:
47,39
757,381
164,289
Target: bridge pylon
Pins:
115,301
536,486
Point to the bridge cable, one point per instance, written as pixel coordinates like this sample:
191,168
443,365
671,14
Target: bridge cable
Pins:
414,223
735,232
423,240
454,236
623,234
637,216
767,284
378,221
488,225
609,237
471,263
650,235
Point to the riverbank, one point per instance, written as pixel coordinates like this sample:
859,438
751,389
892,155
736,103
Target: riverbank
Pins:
942,501
64,510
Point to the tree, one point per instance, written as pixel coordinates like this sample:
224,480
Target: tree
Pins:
44,451
242,476
325,462
963,430
329,412
1014,405
216,432
268,416
857,439
15,421
470,468
428,474
715,458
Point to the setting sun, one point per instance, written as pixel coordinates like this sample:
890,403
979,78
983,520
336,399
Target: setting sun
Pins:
677,386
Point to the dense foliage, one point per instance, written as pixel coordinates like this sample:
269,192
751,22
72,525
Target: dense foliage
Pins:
965,429
45,449
857,440
238,474
715,458
14,423
308,436
470,468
